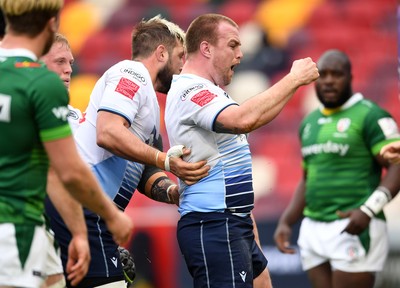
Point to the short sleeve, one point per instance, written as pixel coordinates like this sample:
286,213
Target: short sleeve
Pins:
202,105
50,105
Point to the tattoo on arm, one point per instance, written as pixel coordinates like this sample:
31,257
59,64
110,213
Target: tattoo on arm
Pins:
159,189
220,128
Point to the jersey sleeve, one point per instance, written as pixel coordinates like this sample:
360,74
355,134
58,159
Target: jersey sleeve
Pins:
123,94
203,104
379,129
50,104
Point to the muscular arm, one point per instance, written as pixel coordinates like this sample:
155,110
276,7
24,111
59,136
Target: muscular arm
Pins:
72,214
80,182
156,186
359,219
114,136
264,107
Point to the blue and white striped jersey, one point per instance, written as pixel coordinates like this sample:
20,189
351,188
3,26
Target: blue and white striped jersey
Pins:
125,89
193,104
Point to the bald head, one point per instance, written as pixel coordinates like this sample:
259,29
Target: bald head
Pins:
335,56
333,86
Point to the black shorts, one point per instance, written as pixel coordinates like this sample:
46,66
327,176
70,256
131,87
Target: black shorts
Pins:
105,265
220,250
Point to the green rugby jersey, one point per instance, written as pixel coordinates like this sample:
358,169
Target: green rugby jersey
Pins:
338,156
33,109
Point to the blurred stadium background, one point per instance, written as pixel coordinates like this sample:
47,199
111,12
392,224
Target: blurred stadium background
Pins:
274,33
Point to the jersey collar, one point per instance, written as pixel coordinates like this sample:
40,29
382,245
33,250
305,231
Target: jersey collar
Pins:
18,52
350,102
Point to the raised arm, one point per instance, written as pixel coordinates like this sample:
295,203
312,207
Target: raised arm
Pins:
264,107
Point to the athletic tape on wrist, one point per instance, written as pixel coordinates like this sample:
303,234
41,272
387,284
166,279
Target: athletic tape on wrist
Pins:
375,203
174,151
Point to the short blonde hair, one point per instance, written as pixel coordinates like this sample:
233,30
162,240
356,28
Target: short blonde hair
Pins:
19,7
29,17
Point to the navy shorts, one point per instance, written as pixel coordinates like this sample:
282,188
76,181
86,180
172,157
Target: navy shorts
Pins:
105,265
220,250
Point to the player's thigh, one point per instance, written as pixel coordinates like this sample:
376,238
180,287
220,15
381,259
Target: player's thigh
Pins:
23,255
312,246
349,280
320,276
217,249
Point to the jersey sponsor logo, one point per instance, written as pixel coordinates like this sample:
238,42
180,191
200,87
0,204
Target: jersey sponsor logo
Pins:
203,98
61,112
127,88
191,89
26,64
73,115
327,148
389,127
5,108
343,124
134,74
322,121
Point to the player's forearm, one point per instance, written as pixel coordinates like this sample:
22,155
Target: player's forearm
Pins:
158,186
264,107
83,186
121,142
256,111
69,209
294,211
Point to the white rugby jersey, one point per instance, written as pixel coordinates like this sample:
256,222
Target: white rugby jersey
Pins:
192,106
74,117
124,89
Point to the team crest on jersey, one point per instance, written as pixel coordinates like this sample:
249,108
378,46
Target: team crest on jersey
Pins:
134,74
343,125
27,64
127,88
203,97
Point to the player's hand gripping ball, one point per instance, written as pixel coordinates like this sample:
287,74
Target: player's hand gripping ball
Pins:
128,265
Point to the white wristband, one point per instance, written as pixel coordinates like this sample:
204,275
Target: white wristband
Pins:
376,201
169,188
174,151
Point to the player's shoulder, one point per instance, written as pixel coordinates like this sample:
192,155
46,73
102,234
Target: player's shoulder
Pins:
132,70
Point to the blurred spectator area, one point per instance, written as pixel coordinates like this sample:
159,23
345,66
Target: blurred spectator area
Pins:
274,33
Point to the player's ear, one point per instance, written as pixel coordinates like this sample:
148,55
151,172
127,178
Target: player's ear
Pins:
205,49
54,23
162,53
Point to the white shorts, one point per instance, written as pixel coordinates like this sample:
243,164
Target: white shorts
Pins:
53,263
23,264
322,242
